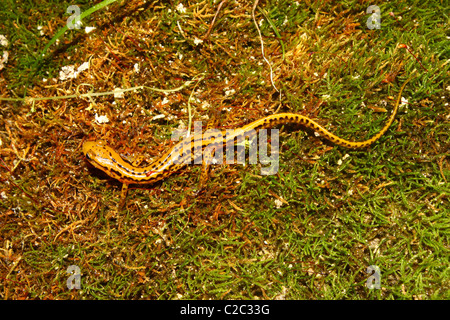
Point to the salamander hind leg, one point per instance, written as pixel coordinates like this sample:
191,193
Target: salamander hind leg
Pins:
123,196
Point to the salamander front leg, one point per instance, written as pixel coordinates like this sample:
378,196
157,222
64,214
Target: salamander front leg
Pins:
135,161
204,176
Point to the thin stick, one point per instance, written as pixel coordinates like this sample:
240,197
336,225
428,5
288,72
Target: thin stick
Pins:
262,44
98,94
214,19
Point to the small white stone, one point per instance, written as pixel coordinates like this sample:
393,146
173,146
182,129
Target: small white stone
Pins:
101,119
89,29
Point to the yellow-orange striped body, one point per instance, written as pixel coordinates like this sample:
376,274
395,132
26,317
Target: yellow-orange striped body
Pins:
106,159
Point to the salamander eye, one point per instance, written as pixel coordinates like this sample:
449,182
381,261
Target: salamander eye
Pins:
87,156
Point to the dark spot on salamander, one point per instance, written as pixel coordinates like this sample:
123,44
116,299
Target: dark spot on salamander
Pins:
116,174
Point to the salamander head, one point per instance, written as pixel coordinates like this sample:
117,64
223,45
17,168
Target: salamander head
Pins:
102,157
98,154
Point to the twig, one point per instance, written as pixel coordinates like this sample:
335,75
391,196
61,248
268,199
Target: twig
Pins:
274,30
189,106
214,19
262,44
30,100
